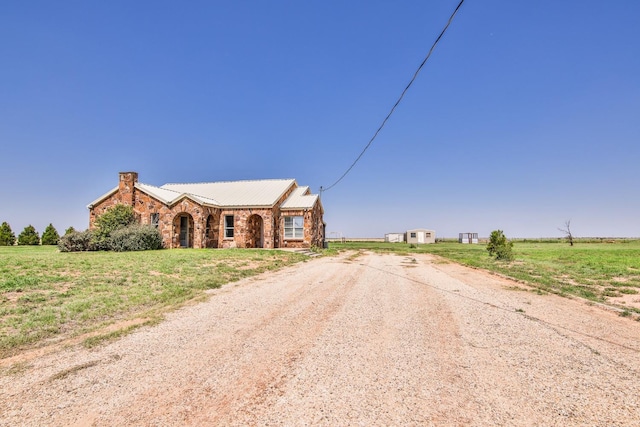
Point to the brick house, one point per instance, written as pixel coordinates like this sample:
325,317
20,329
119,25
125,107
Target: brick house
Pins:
274,213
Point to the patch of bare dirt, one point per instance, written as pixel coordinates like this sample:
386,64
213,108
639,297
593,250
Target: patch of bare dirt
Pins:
626,300
158,273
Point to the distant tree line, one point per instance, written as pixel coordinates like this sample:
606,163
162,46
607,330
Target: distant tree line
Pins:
29,236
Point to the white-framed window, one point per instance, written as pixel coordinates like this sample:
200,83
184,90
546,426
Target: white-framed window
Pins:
228,226
293,227
155,219
413,235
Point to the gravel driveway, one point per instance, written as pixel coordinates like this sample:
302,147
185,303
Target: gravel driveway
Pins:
369,340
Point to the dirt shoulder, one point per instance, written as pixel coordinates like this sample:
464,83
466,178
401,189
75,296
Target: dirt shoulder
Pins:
371,340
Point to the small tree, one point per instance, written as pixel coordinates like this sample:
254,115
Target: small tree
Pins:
50,235
29,236
567,232
116,217
499,247
69,230
7,236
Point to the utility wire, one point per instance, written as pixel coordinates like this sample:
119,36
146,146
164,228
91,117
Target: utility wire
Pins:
398,101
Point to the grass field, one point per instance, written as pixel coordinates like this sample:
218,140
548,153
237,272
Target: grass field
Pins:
46,295
598,271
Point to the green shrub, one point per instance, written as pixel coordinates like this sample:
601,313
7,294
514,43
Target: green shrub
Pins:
7,237
77,241
29,236
115,217
69,230
50,235
499,247
135,238
505,253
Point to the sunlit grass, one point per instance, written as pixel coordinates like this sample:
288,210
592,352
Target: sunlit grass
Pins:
46,294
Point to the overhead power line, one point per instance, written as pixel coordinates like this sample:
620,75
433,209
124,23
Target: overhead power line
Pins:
415,75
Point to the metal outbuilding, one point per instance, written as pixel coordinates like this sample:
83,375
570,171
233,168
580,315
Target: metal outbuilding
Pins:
394,237
470,238
421,236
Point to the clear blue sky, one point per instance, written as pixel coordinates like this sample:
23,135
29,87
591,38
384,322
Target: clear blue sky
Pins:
526,115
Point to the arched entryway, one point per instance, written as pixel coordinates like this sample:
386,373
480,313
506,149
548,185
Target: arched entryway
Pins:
255,232
183,230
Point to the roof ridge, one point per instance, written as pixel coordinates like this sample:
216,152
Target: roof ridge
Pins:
159,188
180,193
228,182
201,197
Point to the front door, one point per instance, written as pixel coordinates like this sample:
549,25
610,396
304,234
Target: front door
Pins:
255,232
184,231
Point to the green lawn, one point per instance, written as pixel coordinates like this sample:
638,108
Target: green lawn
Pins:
595,270
45,294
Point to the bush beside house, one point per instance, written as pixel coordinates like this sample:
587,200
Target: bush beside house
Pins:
116,230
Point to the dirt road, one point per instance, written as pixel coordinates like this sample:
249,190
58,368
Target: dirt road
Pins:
372,340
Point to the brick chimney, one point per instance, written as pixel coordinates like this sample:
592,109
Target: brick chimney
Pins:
125,186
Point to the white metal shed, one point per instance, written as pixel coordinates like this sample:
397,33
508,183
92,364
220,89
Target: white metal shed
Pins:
421,236
394,237
470,238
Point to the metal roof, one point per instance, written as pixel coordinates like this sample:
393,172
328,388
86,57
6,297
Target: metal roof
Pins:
101,198
236,193
300,198
256,193
170,196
